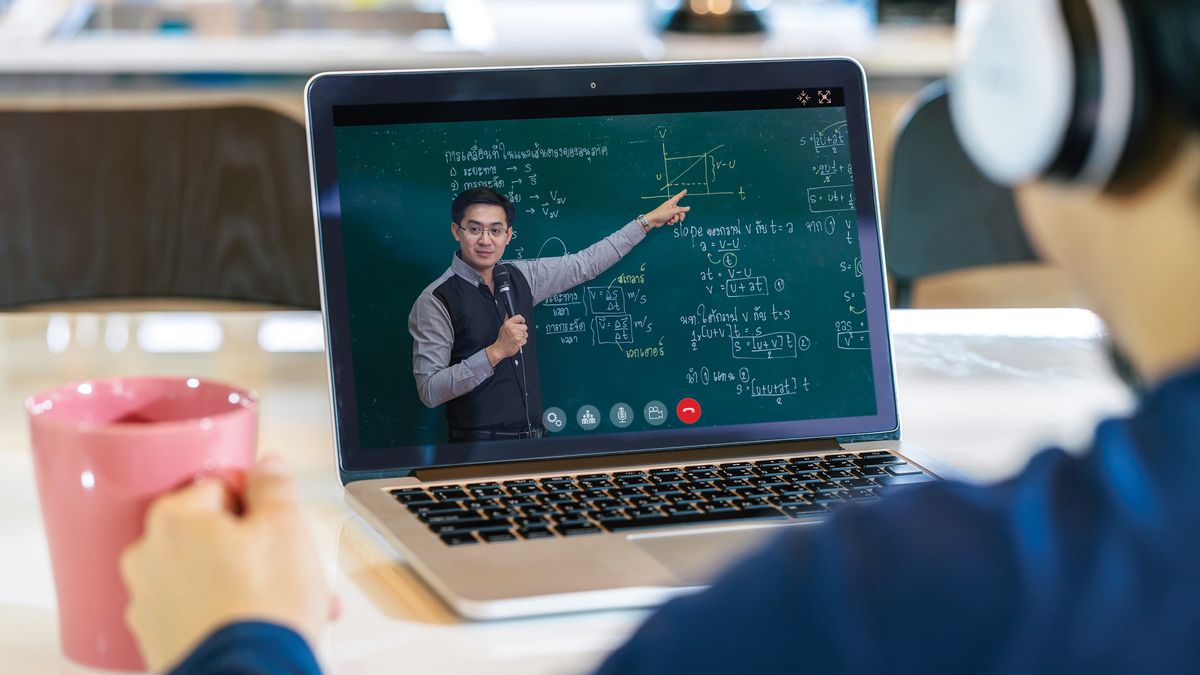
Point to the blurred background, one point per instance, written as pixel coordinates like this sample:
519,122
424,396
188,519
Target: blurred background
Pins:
60,59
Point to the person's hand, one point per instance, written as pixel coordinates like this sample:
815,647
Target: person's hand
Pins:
199,566
513,335
668,213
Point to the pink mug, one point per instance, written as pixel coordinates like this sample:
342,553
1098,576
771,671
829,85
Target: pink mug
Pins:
103,450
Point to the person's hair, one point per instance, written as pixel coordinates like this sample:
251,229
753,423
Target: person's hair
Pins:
1171,36
481,195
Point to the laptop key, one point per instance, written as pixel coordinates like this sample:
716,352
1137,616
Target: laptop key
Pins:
770,462
535,532
861,495
694,516
837,464
857,483
610,517
910,479
572,530
751,492
802,510
453,496
567,519
499,535
903,469
829,497
416,499
459,538
461,526
427,512
877,461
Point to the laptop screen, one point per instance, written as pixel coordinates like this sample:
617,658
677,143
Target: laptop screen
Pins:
758,317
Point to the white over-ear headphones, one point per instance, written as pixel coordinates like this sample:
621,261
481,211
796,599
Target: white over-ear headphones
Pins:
1048,89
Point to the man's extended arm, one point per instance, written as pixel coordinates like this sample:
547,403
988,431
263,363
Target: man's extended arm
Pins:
550,276
433,337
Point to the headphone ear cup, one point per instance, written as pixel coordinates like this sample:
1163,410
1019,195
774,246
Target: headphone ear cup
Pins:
1013,87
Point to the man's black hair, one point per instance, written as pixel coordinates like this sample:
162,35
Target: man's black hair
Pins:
481,195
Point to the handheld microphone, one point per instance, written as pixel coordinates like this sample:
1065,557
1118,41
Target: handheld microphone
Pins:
503,281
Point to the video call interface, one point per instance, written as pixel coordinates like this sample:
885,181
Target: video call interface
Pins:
752,310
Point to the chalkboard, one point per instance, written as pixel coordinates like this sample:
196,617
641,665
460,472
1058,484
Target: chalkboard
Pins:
754,306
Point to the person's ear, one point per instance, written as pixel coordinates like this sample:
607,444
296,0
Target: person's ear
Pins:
454,231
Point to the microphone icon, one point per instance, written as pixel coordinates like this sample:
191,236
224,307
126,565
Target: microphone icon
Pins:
621,415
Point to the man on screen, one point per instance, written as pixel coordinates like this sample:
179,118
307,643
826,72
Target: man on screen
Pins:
468,347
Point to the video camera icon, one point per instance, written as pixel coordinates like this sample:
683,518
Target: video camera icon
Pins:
655,413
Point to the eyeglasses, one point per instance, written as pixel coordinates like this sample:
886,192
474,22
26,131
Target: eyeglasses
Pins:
475,230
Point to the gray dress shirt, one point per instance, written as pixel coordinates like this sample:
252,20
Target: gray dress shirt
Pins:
433,334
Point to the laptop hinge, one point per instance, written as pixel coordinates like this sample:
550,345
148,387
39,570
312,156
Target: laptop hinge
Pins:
722,453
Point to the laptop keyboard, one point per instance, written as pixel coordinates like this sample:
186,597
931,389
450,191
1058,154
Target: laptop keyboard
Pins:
565,506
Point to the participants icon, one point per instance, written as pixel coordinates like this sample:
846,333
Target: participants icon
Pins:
588,417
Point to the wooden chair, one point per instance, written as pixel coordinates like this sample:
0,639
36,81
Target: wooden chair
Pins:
208,203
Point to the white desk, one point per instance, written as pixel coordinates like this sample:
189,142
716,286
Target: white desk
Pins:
977,392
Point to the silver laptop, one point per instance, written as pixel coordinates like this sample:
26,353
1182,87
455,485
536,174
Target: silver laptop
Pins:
683,391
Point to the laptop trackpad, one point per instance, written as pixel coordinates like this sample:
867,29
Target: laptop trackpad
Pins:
695,558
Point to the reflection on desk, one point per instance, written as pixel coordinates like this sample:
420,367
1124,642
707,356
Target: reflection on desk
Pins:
980,390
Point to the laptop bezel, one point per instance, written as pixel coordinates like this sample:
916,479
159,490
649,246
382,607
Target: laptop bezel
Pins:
326,90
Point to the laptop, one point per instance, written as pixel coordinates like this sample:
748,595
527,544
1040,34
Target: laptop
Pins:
684,391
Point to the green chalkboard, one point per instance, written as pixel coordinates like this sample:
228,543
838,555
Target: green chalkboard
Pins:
754,306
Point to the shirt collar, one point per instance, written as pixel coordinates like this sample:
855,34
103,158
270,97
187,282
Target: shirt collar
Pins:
464,270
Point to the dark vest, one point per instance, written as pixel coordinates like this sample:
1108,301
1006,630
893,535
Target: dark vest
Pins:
476,315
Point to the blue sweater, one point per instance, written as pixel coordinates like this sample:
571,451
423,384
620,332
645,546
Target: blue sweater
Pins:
1078,565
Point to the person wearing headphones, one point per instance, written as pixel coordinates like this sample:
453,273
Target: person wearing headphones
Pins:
1078,564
